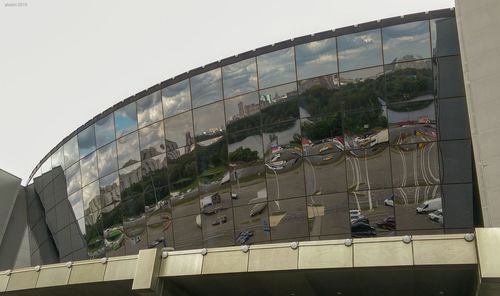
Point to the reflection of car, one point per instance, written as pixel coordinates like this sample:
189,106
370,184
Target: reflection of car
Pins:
243,237
389,200
436,216
361,229
429,206
226,178
210,210
234,195
210,200
325,147
220,220
360,218
157,242
388,223
329,157
354,214
257,209
275,157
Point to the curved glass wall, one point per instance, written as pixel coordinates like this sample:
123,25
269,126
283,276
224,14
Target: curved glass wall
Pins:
358,135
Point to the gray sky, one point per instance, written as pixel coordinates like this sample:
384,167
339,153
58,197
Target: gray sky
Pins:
63,62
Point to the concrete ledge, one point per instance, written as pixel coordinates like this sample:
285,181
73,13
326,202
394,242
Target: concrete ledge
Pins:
183,263
392,252
53,275
120,268
225,262
22,279
325,254
444,251
488,244
266,258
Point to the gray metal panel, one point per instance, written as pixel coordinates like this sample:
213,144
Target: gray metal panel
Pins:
9,187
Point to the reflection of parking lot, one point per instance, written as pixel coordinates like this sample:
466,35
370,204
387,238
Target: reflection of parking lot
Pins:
408,219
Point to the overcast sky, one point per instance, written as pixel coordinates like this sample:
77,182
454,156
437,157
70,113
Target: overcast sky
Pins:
63,62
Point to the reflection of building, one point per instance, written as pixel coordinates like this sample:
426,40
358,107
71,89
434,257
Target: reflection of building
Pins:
418,197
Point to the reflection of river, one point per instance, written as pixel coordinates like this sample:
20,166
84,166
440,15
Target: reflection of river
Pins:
398,116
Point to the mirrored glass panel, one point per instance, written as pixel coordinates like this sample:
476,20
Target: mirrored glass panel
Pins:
187,233
325,173
73,178
277,67
251,224
106,159
453,119
149,109
239,78
365,129
279,103
152,140
362,88
316,58
328,215
322,135
125,120
159,211
412,122
88,166
242,112
128,150
369,168
206,88
444,37
112,229
369,214
449,80
86,141
76,203
134,224
288,219
91,199
411,81
179,131
58,158
456,161
71,153
318,96
183,182
406,42
418,209
131,180
359,50
458,206
109,188
93,237
209,123
415,164
155,178
105,130
246,162
218,228
176,98
284,163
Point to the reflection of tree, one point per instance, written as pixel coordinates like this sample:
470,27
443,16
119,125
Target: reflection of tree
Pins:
324,127
212,159
243,155
407,84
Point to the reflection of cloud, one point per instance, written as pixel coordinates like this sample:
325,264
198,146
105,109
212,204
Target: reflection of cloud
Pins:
360,50
209,118
105,130
152,137
128,149
177,128
73,176
106,159
276,67
125,119
240,77
149,109
176,98
89,169
206,87
71,153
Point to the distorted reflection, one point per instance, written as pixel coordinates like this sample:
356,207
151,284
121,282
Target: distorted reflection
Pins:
88,167
316,58
76,203
73,178
288,219
418,209
368,168
328,215
359,50
106,159
279,103
111,215
369,214
92,202
126,120
105,131
58,158
412,122
322,135
410,81
152,140
183,181
453,119
362,89
134,223
176,98
86,141
365,129
415,164
71,153
277,67
444,37
128,150
325,172
94,237
131,180
179,131
239,78
242,112
187,233
283,156
206,88
209,123
406,42
251,224
149,109
449,81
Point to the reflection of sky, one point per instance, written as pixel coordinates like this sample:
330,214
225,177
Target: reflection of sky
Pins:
283,137
73,176
58,158
105,131
125,120
232,108
149,109
253,142
71,154
89,193
406,41
77,204
89,168
152,136
361,75
206,87
240,78
86,141
359,50
176,98
209,118
177,127
316,58
128,149
106,159
276,67
108,181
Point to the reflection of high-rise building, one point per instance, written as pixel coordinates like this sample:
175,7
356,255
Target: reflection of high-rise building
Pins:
172,152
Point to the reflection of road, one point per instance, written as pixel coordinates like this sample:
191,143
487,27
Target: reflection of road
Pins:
415,165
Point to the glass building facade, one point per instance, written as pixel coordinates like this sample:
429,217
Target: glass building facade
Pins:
357,132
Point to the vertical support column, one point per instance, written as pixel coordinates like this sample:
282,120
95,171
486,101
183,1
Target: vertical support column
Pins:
146,272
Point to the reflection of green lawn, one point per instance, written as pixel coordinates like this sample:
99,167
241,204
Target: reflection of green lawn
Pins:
213,173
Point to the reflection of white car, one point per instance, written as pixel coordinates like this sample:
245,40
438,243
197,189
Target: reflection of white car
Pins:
430,205
353,214
325,147
389,201
436,216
